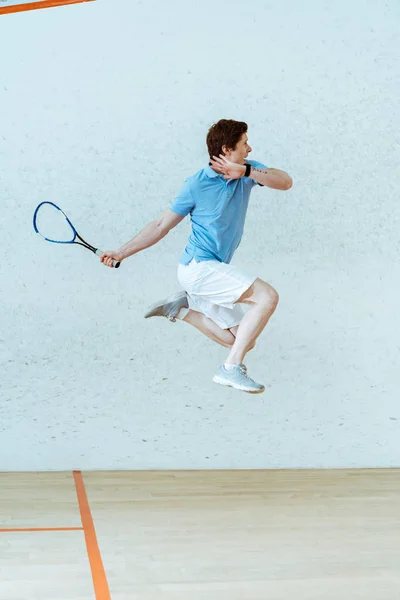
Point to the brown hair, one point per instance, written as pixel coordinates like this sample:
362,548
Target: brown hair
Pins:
226,132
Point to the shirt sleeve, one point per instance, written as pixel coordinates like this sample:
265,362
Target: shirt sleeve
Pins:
184,202
257,165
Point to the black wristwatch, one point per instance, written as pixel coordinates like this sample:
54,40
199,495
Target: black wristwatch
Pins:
248,170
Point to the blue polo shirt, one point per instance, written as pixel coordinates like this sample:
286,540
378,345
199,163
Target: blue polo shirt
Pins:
217,208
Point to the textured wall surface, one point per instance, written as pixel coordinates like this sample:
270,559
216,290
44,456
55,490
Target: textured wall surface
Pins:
104,108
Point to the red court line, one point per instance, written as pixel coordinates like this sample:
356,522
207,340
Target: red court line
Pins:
36,5
41,529
100,584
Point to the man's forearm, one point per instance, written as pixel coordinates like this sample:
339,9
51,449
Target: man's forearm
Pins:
150,235
273,178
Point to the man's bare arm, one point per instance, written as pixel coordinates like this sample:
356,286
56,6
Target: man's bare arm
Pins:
152,233
272,178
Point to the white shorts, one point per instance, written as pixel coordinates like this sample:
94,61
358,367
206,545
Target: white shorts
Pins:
213,288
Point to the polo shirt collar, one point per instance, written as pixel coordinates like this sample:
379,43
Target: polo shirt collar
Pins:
210,172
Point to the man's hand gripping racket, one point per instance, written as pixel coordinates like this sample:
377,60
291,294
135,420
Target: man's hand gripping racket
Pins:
111,258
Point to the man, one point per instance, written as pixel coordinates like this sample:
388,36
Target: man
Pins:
216,198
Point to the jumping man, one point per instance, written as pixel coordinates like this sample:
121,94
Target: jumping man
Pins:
216,197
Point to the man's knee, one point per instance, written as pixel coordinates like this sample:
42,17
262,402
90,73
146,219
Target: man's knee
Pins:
261,292
267,296
273,298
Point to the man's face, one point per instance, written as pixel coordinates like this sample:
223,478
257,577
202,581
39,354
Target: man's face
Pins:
240,153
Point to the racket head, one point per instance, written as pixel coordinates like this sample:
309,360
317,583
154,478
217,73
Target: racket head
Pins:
42,214
46,217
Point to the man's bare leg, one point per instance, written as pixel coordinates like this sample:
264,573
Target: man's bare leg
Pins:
263,300
224,337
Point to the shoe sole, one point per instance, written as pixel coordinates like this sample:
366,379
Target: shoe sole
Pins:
227,383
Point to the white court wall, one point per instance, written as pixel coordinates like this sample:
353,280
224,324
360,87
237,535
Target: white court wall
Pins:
104,109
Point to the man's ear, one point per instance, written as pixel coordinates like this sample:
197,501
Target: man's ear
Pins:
225,150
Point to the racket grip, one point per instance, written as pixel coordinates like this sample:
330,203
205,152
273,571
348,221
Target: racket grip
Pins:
100,253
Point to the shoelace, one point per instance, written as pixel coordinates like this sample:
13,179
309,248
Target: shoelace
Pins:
243,368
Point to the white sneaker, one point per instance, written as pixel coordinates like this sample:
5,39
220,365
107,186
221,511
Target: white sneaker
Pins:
169,307
238,379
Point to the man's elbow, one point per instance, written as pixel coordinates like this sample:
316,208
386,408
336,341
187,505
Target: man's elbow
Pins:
287,184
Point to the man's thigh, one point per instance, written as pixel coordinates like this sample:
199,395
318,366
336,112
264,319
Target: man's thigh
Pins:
256,291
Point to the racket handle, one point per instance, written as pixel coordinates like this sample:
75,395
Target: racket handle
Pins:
115,264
